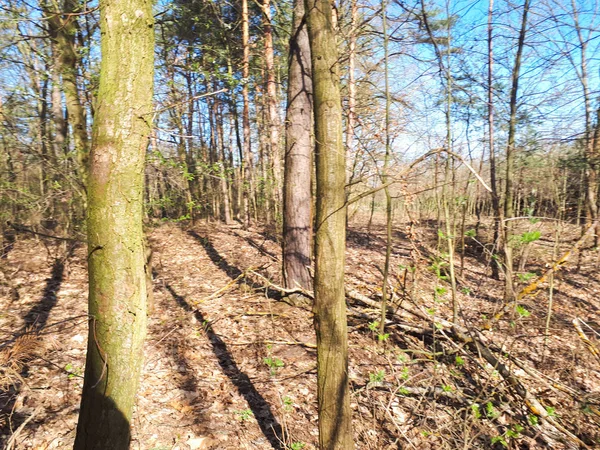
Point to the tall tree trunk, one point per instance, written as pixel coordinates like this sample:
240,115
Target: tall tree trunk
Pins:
59,140
335,417
190,157
386,166
59,146
493,184
297,203
235,130
351,121
117,292
62,31
264,187
443,201
44,137
351,118
247,164
222,164
591,144
272,114
593,161
509,293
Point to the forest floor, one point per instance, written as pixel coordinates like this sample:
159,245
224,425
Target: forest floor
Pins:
235,368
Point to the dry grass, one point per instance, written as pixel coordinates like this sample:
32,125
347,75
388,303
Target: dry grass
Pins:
14,355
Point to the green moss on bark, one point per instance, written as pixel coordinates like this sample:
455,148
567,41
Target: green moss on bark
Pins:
335,418
117,289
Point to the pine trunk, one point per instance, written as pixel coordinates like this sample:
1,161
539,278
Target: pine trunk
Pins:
247,164
117,292
272,114
297,202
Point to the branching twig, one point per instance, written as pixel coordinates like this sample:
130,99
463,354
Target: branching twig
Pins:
535,285
13,439
278,288
24,229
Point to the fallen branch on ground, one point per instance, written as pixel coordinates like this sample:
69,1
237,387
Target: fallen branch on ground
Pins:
302,344
589,345
535,285
429,391
282,290
13,439
551,430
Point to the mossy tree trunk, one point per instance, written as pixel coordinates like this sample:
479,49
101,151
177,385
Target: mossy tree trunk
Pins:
335,419
297,201
62,31
117,293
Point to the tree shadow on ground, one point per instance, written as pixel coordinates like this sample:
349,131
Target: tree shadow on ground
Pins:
104,427
260,247
270,234
186,379
38,315
376,241
259,406
35,320
9,237
364,239
231,271
576,302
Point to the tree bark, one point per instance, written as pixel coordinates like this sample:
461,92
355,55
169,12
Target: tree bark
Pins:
509,293
385,171
247,163
222,164
493,184
117,292
62,32
335,418
591,131
297,202
272,114
351,121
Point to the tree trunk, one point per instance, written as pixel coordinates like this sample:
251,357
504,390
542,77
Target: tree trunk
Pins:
222,164
60,208
247,163
493,184
350,123
335,418
63,31
385,172
593,159
117,292
297,215
272,114
509,293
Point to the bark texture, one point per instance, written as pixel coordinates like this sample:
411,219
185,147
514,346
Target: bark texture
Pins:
272,114
335,420
247,167
117,292
509,293
297,202
62,31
